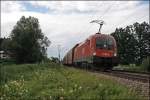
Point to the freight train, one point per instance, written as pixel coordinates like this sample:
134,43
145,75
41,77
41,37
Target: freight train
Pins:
97,51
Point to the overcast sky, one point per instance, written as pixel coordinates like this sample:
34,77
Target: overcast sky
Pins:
66,23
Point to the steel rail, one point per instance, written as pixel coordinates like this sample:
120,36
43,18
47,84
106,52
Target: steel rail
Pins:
141,77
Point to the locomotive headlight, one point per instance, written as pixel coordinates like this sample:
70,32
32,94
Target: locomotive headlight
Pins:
94,53
115,54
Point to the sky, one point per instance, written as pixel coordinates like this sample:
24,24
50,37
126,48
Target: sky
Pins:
67,23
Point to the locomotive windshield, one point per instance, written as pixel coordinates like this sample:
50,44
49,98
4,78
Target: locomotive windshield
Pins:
104,43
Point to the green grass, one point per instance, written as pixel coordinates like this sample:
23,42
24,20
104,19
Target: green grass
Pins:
51,81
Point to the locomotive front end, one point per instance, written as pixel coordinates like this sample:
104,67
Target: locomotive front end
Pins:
105,51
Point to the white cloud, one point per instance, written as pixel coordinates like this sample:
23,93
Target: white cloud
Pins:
73,27
85,6
11,6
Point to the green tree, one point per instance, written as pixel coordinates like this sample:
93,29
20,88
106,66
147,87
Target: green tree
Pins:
28,43
55,59
125,43
146,63
1,40
133,43
5,44
143,38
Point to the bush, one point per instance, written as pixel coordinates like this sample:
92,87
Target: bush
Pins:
146,64
7,61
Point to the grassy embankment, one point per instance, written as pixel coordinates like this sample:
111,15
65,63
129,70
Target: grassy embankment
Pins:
133,68
143,67
52,81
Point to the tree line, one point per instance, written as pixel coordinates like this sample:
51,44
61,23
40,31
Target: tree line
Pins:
133,43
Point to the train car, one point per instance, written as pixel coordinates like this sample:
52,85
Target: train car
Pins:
69,57
98,50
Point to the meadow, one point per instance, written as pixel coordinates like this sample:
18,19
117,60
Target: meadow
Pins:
51,81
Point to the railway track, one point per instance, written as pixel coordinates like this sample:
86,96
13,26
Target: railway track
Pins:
130,75
135,76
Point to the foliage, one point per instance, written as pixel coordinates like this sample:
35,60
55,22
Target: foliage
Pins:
6,62
51,82
55,59
133,43
146,64
5,44
28,43
1,40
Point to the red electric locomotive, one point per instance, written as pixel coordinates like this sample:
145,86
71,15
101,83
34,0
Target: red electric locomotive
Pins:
98,50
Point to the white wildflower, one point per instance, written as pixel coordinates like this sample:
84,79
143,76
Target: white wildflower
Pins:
80,87
1,98
62,89
22,76
75,85
100,85
71,91
50,97
61,98
6,86
26,90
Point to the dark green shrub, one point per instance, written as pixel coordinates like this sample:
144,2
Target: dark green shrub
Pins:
146,64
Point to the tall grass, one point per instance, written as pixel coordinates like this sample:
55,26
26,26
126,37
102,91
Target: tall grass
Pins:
51,81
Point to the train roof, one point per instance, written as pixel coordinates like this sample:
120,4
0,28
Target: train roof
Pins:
94,35
101,35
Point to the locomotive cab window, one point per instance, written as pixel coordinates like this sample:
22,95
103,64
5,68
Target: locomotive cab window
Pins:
109,43
104,43
100,43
